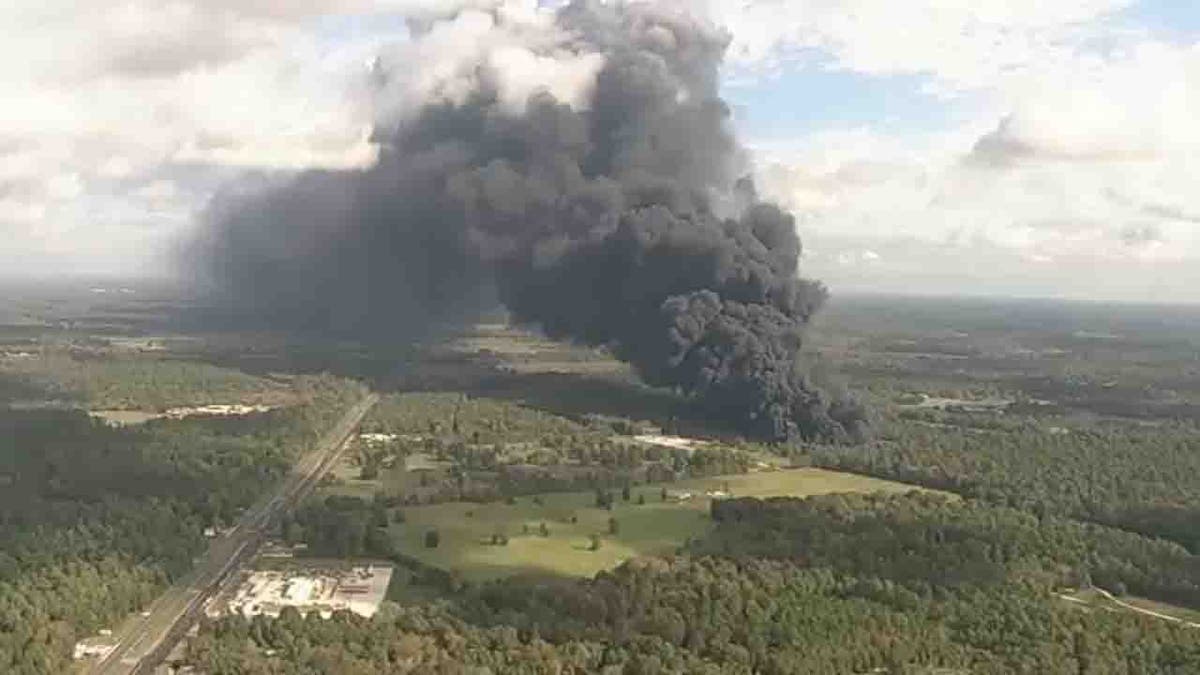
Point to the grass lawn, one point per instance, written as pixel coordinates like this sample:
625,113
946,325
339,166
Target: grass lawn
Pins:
655,527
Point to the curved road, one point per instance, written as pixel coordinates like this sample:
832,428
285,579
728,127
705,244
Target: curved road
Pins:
1126,606
145,642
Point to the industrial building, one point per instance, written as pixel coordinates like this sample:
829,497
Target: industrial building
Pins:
326,590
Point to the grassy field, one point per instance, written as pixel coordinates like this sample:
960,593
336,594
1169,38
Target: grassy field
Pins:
656,527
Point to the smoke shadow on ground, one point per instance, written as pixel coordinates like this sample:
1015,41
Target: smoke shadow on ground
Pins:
413,369
578,396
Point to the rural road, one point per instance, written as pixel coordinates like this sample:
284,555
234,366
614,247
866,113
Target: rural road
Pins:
1142,610
144,643
1132,608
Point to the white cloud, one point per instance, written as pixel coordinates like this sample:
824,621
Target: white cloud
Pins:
106,104
521,50
520,73
1081,162
962,44
1084,155
1094,177
103,99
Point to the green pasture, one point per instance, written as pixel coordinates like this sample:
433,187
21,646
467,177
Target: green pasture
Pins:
653,528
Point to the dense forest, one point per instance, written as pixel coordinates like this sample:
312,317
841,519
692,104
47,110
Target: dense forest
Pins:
95,520
102,380
1143,478
1076,485
835,584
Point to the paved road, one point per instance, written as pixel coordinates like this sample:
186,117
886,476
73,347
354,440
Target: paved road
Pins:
146,642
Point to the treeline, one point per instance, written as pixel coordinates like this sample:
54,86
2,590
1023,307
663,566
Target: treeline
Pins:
927,541
95,520
1144,479
837,584
489,449
480,420
408,640
120,382
341,526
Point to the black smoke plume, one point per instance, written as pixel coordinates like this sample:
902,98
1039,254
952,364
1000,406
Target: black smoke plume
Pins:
622,222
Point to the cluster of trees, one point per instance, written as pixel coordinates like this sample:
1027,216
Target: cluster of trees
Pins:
341,526
482,421
1143,479
95,520
926,540
490,449
407,640
823,585
113,382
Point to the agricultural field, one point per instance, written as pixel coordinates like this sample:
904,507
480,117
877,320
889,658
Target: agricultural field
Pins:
646,524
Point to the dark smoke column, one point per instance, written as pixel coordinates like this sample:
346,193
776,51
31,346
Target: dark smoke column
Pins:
620,222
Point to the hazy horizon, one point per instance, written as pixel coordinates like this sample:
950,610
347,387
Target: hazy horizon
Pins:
989,149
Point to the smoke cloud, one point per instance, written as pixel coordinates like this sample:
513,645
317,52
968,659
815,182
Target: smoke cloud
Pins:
579,167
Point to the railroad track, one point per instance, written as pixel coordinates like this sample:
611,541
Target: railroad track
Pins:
174,612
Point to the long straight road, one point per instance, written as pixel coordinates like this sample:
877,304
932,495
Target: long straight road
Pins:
147,641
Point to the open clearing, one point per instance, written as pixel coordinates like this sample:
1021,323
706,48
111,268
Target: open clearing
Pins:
124,418
653,528
1101,599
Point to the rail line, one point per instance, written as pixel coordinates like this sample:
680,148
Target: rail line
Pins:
175,611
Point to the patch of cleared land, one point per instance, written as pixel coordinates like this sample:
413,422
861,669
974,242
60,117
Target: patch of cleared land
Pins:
672,442
121,418
524,352
992,404
653,528
322,590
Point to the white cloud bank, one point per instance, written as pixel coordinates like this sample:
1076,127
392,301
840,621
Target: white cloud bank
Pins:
103,100
119,120
1076,178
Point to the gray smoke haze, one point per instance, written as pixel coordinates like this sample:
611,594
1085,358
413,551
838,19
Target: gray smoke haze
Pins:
621,221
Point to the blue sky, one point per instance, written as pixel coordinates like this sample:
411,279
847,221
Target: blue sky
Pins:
1172,19
1012,145
876,131
814,93
810,98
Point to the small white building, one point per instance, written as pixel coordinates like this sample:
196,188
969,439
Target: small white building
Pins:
93,648
373,440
